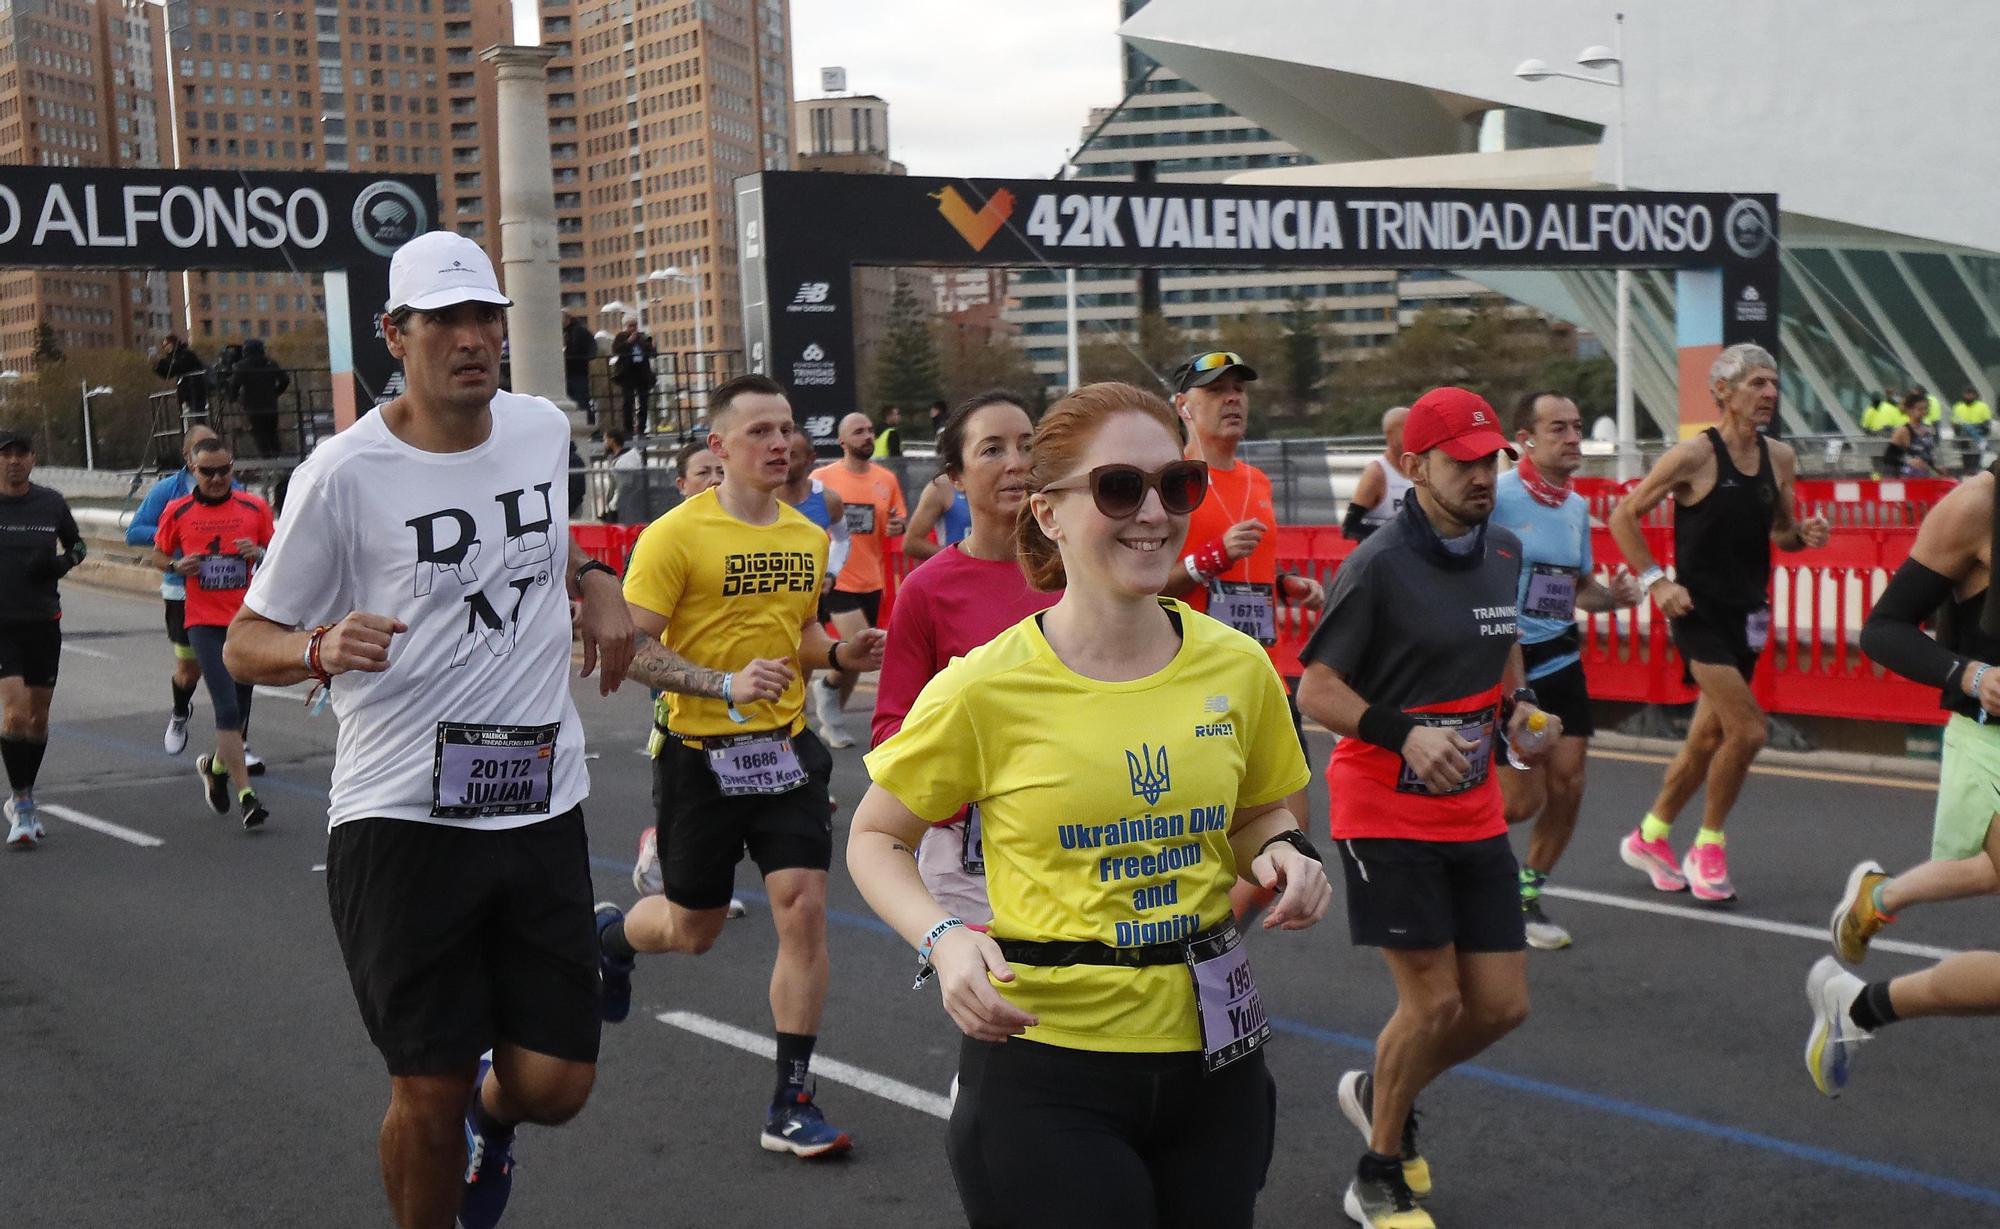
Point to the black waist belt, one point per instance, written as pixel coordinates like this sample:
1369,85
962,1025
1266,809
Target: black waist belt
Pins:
1051,955
1568,641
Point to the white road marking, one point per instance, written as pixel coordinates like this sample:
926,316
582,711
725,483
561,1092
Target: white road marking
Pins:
142,839
833,1069
77,648
1817,934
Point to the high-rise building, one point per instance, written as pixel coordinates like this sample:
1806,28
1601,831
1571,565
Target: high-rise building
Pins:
849,135
1168,131
655,107
80,85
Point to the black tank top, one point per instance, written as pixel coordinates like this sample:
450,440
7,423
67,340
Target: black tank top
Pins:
1722,544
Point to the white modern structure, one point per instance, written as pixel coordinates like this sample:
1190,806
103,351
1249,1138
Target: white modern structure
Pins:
1891,248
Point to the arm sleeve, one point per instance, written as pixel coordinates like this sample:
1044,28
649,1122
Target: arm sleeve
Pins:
303,579
1351,526
1894,632
145,526
934,765
1348,622
842,545
907,660
1273,765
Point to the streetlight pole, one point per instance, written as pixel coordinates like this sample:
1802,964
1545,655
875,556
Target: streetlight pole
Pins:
1612,58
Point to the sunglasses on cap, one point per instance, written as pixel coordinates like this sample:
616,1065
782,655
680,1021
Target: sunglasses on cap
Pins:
214,471
1214,359
1120,490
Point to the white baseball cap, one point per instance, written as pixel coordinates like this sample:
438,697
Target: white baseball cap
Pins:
440,268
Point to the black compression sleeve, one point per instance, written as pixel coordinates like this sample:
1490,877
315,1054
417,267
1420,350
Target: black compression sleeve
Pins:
1351,527
1386,726
1894,632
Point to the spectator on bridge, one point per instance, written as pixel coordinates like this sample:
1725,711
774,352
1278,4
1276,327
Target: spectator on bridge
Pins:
255,382
1882,415
1912,450
1383,487
174,359
579,350
1970,419
632,355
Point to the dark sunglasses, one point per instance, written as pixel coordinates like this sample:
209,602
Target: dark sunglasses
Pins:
1119,490
214,471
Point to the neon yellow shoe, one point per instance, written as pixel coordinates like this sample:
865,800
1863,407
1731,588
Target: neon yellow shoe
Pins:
1357,1101
1380,1199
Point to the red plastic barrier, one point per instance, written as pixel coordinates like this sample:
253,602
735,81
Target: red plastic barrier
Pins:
1820,598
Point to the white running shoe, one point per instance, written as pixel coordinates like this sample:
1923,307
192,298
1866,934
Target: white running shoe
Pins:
24,829
736,907
1831,990
253,762
646,872
176,738
826,716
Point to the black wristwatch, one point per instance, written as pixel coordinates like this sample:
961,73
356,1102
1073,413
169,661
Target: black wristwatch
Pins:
1518,697
593,565
1297,840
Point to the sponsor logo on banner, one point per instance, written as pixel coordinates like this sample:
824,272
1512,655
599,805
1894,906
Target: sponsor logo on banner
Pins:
820,427
1150,778
812,297
812,369
387,215
978,228
1751,307
1746,228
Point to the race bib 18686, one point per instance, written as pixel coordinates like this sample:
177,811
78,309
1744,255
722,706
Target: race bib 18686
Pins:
481,771
765,763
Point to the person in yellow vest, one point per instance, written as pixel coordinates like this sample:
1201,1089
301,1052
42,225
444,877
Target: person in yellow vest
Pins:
1881,416
889,441
1933,408
1970,415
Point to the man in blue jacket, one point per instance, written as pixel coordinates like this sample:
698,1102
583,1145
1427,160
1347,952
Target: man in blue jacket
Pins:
142,530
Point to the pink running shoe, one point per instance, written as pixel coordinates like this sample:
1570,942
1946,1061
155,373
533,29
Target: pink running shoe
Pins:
1655,858
1707,871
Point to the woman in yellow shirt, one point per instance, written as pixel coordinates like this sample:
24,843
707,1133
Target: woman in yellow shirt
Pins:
1128,755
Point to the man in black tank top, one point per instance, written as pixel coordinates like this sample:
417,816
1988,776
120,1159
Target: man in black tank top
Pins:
1951,565
1732,493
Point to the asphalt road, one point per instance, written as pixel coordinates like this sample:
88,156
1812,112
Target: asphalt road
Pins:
182,1047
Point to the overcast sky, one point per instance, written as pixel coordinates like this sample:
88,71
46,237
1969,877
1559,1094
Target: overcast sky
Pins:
973,89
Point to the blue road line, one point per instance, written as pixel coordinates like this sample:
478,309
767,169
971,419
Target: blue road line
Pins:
1636,1110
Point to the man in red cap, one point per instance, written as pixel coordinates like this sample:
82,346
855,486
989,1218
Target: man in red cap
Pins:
1415,665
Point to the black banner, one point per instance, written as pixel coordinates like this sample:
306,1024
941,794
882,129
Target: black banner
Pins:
271,221
800,233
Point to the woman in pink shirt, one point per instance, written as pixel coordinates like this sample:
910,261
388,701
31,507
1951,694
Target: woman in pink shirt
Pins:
957,600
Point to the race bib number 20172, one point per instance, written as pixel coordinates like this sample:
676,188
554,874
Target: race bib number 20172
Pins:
480,771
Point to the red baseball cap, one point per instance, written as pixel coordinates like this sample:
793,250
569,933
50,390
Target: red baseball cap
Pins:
1457,420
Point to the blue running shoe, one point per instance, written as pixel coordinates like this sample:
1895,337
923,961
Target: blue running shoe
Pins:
489,1166
614,1000
796,1126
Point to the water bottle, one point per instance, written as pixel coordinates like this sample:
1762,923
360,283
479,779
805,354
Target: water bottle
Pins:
1531,740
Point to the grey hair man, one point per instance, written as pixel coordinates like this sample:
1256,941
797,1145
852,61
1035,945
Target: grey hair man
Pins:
1732,493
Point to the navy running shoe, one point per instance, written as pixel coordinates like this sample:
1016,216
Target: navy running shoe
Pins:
795,1125
614,1000
489,1166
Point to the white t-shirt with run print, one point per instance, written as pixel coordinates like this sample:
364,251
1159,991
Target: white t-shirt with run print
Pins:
472,724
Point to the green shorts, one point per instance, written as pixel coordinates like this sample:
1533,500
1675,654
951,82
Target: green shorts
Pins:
1968,789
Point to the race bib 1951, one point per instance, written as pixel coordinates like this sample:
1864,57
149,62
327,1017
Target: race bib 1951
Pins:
480,771
1233,1020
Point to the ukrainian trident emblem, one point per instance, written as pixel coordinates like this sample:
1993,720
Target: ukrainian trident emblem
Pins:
1149,773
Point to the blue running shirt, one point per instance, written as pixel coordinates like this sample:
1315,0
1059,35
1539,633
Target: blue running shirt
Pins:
1555,557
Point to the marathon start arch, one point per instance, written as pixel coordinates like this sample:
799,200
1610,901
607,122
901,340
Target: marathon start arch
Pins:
343,226
800,233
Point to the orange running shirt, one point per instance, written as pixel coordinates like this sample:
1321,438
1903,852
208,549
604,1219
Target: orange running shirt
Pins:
1240,493
871,499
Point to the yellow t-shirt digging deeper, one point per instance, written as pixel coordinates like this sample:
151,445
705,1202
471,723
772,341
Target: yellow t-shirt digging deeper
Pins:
1106,810
731,592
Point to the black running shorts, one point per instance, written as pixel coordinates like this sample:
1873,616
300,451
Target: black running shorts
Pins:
703,833
1414,895
31,650
1565,695
1719,635
869,604
457,939
177,621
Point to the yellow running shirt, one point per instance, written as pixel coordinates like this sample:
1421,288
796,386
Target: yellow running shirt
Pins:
1106,809
731,592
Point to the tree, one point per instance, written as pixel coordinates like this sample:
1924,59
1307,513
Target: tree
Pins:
47,349
1146,357
50,405
973,359
1303,348
1260,339
1494,348
905,372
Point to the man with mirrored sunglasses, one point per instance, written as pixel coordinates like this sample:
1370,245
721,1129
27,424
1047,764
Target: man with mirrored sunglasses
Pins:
1229,569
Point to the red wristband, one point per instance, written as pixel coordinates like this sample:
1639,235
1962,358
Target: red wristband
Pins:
312,653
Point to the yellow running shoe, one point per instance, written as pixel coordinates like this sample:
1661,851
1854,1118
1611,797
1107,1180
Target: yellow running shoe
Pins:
1357,1101
1856,920
1380,1199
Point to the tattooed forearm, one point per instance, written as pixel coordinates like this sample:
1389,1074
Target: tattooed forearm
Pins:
658,666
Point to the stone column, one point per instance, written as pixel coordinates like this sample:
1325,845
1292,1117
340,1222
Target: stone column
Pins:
528,225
